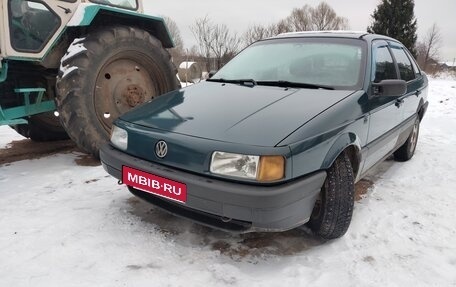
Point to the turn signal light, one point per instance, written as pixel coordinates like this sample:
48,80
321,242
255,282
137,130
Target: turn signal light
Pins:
271,168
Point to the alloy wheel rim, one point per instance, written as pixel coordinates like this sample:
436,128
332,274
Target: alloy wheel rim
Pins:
414,137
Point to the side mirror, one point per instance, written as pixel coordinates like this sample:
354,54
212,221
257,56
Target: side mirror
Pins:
390,88
212,73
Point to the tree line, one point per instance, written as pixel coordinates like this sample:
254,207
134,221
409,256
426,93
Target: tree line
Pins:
216,44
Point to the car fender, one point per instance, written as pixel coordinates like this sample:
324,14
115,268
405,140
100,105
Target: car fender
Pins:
343,142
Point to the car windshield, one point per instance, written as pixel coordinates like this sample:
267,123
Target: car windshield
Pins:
320,62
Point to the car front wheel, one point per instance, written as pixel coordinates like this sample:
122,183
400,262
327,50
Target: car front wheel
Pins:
333,209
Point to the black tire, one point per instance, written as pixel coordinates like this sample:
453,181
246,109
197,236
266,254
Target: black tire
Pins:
105,74
42,128
333,210
407,150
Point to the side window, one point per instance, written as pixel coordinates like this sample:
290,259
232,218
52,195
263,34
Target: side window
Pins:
414,64
384,68
404,64
32,24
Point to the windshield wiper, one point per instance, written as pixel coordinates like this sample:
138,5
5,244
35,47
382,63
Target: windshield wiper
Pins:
288,84
244,82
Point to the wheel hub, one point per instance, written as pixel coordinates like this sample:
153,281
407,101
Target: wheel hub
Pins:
134,95
121,85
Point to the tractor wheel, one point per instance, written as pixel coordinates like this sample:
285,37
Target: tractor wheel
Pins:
42,128
106,74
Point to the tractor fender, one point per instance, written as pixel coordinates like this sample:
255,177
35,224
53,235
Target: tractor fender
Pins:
88,15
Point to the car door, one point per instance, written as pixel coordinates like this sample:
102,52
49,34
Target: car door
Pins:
385,111
409,72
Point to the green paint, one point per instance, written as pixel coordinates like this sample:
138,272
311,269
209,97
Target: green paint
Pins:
92,11
4,72
15,115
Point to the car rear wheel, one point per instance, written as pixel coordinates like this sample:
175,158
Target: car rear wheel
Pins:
333,209
407,150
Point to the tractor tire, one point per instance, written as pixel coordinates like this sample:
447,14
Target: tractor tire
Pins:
42,128
333,209
104,75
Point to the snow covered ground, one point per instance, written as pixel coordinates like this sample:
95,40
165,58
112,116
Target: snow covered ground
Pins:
62,224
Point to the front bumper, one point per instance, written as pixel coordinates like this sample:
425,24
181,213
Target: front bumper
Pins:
226,205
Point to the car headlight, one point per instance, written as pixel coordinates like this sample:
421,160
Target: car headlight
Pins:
119,137
261,168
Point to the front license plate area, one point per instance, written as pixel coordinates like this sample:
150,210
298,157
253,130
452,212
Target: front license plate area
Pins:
154,184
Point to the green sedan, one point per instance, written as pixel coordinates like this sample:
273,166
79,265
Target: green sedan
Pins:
278,137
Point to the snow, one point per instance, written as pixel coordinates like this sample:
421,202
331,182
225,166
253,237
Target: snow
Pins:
62,224
75,49
66,70
8,135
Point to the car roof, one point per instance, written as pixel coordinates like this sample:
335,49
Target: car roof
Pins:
334,34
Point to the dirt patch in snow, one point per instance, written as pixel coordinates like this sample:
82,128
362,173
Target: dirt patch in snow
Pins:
361,188
28,149
236,246
87,160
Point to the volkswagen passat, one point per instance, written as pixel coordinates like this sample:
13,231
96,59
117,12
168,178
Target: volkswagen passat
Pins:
278,137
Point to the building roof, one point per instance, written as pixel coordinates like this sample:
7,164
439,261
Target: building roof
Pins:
451,64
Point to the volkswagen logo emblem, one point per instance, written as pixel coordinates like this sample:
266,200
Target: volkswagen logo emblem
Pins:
161,149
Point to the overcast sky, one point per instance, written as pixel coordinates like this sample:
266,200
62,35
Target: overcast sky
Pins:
240,14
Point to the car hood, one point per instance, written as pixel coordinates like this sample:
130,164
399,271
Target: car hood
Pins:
254,115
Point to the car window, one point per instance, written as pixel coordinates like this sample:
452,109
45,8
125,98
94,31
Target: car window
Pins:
384,68
338,63
416,69
403,63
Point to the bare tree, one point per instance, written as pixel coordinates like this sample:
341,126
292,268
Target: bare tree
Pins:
323,17
429,49
300,19
177,53
258,32
215,41
202,31
306,18
255,33
223,44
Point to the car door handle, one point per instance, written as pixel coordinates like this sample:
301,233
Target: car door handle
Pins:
399,102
